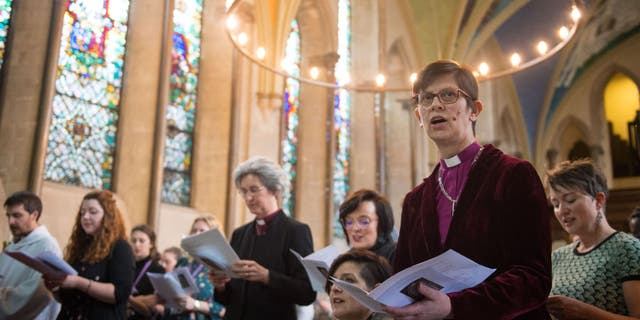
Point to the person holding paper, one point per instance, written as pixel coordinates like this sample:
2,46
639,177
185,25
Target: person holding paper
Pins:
142,299
478,201
271,279
200,305
99,251
598,275
362,268
22,291
367,220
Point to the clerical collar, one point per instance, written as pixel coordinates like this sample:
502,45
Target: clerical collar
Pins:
263,224
464,156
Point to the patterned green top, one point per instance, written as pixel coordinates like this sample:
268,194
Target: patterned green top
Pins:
596,277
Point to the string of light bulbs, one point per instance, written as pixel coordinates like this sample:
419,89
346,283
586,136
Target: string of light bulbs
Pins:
482,73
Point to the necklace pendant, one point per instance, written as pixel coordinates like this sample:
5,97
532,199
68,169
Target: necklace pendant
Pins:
453,207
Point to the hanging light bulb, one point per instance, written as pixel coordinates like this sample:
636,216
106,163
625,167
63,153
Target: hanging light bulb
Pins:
542,47
261,53
563,33
575,14
413,77
515,59
314,72
483,68
243,39
380,80
232,22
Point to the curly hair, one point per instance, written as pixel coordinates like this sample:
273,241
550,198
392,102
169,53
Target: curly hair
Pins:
93,248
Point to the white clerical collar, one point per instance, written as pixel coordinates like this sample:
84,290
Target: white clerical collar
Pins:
453,161
260,222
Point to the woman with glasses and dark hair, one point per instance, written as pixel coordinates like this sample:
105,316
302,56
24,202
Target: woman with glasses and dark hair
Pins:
598,275
367,220
271,280
362,268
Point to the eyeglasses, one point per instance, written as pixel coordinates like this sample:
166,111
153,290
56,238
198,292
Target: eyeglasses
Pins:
446,96
363,222
251,191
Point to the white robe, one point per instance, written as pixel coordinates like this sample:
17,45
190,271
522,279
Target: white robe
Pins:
22,291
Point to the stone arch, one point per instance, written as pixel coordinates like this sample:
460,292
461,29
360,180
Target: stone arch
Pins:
570,130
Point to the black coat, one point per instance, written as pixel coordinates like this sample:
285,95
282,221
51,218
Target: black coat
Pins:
288,281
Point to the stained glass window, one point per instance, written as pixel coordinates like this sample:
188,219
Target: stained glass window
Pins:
291,64
180,117
82,133
342,113
5,15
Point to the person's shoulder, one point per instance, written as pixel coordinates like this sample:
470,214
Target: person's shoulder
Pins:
121,244
627,241
562,251
155,267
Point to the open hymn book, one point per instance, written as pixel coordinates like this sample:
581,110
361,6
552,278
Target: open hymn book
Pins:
448,272
317,265
171,285
46,263
212,249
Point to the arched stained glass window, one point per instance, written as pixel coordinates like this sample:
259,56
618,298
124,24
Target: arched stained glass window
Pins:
82,133
5,15
181,111
291,65
342,113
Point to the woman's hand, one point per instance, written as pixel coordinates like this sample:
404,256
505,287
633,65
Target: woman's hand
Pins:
562,307
251,271
218,280
434,305
185,302
53,283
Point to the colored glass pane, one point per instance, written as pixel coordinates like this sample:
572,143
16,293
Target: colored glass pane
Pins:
82,133
291,65
181,111
342,113
5,15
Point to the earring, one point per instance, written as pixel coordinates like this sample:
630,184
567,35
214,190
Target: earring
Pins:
599,216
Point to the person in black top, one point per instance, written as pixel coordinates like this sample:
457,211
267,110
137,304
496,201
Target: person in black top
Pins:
142,299
98,250
271,280
367,220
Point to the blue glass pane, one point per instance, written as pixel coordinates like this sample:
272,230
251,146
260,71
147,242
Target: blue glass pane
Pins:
291,65
5,15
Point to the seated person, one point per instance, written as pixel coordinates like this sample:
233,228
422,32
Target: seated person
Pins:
362,268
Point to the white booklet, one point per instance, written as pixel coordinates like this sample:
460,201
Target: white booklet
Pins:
172,284
212,249
46,263
317,265
448,272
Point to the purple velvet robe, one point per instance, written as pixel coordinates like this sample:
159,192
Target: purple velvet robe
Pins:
501,221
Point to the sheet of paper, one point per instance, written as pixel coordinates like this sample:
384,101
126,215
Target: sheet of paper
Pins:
45,267
448,272
360,295
167,287
317,265
212,249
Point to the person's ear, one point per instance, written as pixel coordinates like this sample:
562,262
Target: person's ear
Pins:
600,200
476,111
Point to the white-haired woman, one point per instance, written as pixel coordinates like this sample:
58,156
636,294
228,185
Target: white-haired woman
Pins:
272,281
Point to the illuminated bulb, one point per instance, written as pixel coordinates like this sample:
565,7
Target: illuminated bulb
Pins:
380,80
575,14
413,77
542,47
563,32
261,53
243,39
515,59
483,68
314,72
232,22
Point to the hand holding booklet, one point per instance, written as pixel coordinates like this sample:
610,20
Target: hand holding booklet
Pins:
317,265
171,285
211,249
448,272
46,263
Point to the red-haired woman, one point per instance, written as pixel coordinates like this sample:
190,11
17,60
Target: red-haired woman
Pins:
99,251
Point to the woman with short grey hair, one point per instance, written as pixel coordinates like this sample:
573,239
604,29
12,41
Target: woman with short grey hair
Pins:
271,280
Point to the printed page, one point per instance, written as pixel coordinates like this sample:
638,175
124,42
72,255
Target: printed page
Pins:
47,269
360,295
167,287
52,259
317,265
212,249
448,272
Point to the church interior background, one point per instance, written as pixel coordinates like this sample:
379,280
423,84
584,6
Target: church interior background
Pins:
158,100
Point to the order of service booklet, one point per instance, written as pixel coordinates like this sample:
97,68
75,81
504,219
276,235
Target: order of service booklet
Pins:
173,284
448,272
211,248
46,263
317,265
